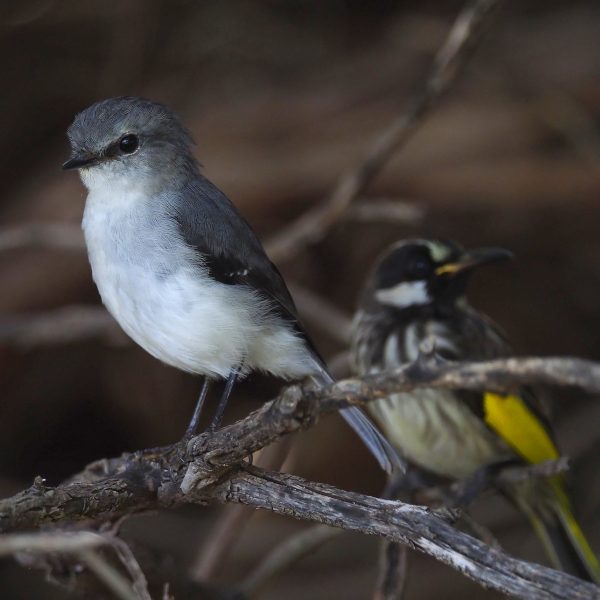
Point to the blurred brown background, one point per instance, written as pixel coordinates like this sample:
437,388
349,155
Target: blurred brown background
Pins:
282,97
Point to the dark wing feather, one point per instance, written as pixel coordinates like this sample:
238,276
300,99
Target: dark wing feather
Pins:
231,251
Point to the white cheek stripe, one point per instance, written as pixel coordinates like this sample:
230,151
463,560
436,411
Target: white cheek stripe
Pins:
404,294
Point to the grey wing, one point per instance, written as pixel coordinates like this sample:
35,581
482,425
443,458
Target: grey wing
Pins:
231,251
233,254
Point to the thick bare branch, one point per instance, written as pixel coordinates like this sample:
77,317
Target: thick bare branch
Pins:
209,469
415,526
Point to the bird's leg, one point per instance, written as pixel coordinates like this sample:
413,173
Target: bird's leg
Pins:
233,375
409,482
468,489
192,428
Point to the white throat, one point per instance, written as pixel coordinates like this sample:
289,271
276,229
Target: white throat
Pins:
405,294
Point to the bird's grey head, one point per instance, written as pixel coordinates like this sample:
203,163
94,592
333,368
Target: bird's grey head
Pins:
420,274
130,139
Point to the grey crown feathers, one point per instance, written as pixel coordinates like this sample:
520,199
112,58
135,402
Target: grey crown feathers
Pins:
167,144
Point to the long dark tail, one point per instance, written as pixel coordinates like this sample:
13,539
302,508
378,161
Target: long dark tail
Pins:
387,457
560,533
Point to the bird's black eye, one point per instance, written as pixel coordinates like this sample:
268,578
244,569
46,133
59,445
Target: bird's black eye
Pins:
419,268
129,143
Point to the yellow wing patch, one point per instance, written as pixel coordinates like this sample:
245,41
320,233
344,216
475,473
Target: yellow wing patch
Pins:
518,426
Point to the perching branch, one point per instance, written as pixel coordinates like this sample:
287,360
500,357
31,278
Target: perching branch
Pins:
232,522
210,469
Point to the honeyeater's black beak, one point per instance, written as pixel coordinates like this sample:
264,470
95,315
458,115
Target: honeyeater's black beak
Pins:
80,160
474,258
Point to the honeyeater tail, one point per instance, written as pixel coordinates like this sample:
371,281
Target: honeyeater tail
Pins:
545,502
558,530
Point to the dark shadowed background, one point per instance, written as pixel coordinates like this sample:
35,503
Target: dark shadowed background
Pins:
282,97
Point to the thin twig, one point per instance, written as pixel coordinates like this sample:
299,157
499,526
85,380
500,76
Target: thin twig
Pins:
448,62
113,580
46,542
565,115
325,316
59,235
129,561
392,571
61,326
84,545
286,554
386,211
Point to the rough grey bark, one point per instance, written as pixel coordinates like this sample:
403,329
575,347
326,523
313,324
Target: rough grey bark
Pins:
211,468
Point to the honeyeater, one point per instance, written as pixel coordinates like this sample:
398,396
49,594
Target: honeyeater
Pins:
417,291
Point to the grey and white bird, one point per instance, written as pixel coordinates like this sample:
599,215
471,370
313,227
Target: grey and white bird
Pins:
176,264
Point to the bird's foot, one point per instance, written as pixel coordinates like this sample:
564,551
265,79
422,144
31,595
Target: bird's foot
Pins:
465,491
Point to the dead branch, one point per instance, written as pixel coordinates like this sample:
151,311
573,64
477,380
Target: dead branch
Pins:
326,317
286,554
111,578
55,541
406,524
77,323
129,561
392,571
448,62
59,235
385,211
209,468
61,326
84,545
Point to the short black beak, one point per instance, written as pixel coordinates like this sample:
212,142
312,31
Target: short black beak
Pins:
474,258
77,162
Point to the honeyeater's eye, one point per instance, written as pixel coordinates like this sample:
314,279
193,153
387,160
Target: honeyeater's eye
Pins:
419,268
129,143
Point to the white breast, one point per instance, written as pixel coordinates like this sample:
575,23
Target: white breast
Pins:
150,282
430,426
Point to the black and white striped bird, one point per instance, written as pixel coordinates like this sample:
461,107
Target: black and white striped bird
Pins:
176,264
416,291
